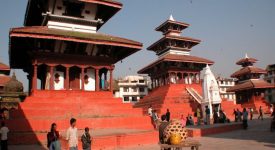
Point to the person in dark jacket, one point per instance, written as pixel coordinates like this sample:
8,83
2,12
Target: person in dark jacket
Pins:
168,115
53,138
86,140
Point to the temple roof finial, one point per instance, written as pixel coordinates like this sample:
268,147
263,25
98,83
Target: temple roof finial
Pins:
246,56
171,18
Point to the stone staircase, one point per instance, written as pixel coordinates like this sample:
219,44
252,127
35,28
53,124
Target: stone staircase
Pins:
96,110
174,97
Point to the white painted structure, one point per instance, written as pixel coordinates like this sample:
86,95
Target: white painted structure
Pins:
270,78
132,88
211,94
224,84
58,10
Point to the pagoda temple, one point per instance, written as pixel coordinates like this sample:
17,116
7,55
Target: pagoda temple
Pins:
70,70
175,74
61,47
249,87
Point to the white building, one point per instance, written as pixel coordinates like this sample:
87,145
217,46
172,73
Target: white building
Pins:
132,88
270,78
224,84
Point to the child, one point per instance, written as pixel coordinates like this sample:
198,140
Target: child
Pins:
86,140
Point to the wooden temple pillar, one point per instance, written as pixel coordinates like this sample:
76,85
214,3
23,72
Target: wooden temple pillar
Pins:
82,78
111,80
67,80
34,78
52,78
96,79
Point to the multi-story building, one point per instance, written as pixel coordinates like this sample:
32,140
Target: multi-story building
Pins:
224,84
132,88
270,77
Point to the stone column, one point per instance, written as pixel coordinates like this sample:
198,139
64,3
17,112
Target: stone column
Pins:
67,78
82,79
34,78
52,78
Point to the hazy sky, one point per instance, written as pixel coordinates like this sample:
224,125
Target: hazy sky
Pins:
228,29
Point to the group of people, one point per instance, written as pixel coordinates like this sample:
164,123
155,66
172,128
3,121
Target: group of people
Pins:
53,137
155,118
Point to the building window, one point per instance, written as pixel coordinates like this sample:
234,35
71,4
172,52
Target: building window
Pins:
126,99
73,9
141,89
134,99
141,81
134,89
125,89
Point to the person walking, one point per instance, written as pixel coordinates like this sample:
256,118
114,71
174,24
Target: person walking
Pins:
155,119
245,118
168,115
4,136
207,112
86,140
261,113
198,115
251,113
72,136
239,114
235,113
53,138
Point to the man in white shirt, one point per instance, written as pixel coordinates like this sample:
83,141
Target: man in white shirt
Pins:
150,111
72,136
4,136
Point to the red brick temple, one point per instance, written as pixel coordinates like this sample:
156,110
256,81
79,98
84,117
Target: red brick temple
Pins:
70,70
250,87
176,74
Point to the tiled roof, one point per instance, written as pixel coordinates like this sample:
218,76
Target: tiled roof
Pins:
250,84
94,38
248,70
170,37
105,2
172,22
4,79
244,60
177,58
4,66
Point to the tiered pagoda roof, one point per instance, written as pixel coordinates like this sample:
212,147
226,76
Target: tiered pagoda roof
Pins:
249,76
248,70
4,74
250,84
176,58
50,30
173,47
106,9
